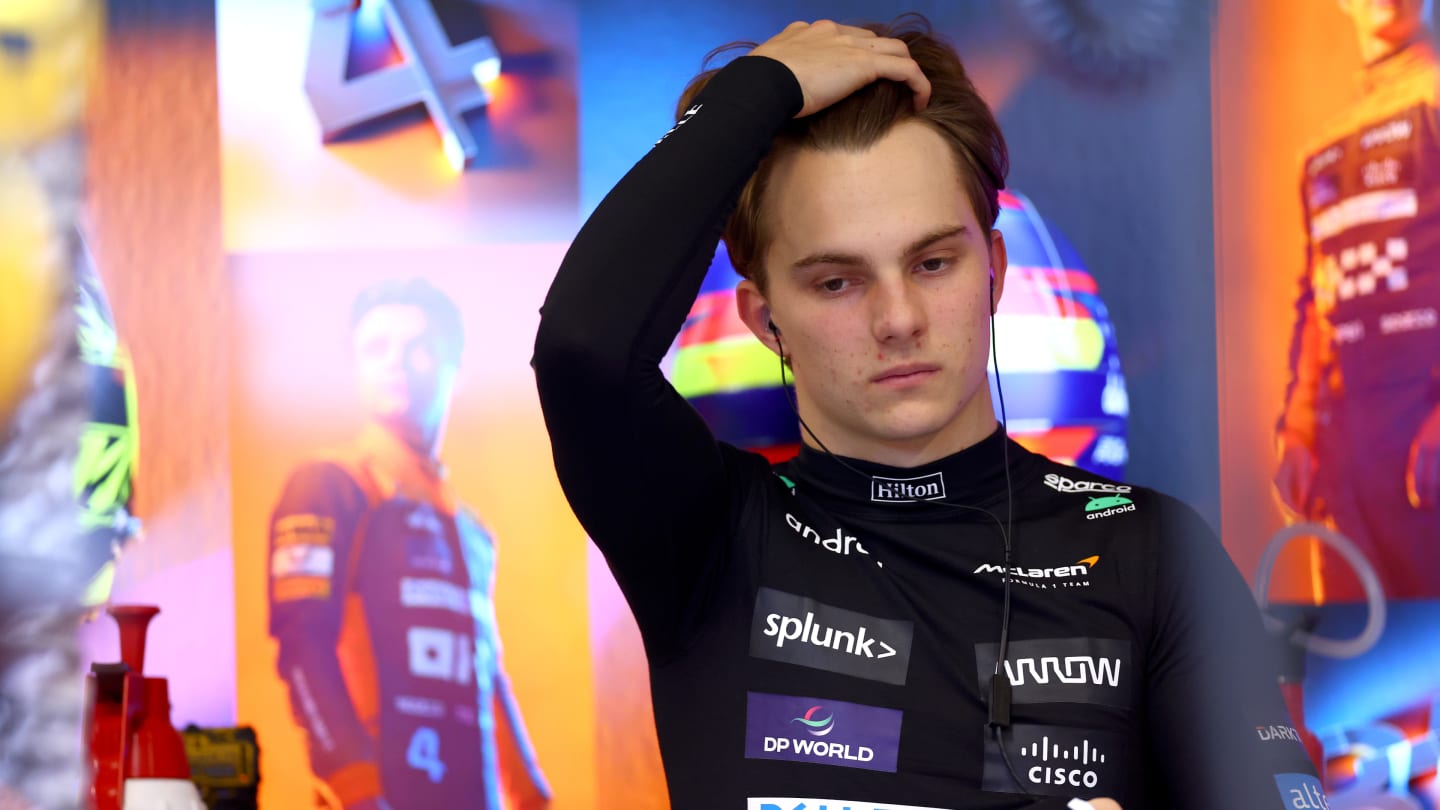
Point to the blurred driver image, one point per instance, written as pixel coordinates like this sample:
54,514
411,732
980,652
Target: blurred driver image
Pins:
380,589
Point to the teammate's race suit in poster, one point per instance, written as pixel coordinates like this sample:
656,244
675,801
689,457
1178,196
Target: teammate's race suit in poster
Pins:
380,599
1365,354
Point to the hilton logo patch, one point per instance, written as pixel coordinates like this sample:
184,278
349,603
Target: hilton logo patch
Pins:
907,490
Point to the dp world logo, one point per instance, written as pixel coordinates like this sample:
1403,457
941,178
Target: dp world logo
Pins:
813,724
1107,505
836,733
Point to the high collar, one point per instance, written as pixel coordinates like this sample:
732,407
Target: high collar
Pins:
974,476
1416,57
400,471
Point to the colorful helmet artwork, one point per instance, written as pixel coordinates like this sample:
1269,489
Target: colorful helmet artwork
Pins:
110,443
31,264
1064,391
48,49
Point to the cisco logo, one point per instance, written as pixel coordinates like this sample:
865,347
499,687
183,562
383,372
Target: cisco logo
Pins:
1056,761
1073,771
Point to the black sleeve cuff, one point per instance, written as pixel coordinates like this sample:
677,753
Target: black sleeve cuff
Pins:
764,86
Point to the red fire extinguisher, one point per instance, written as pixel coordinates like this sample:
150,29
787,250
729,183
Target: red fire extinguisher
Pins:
137,758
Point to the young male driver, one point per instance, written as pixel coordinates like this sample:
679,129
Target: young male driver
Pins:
826,633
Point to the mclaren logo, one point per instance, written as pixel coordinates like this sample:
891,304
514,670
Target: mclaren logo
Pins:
1064,576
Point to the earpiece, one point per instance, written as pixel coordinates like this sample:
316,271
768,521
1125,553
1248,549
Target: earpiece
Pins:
775,330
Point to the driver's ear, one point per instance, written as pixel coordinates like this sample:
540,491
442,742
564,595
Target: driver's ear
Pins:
754,310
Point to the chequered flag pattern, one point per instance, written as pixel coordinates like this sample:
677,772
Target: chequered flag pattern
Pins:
1361,270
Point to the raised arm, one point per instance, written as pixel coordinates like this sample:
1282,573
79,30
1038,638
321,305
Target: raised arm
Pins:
638,465
640,469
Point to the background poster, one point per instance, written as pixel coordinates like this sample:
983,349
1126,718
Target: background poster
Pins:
314,212
1305,135
293,394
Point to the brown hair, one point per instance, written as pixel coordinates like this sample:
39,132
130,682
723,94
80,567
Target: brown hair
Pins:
956,111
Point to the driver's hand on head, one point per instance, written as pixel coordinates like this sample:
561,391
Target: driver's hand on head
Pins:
831,61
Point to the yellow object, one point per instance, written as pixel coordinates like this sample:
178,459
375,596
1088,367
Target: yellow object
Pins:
31,259
47,51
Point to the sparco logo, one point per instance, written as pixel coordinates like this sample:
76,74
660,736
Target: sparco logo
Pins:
1062,670
1060,483
908,490
799,630
1063,576
1268,733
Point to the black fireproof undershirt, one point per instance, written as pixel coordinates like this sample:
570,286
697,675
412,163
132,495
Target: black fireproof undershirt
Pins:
823,635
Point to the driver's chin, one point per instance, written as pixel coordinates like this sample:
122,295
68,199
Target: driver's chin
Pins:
909,423
400,422
1400,31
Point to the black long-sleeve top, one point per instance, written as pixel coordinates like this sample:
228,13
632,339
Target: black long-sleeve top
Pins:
822,633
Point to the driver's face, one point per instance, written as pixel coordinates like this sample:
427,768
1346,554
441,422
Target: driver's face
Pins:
400,367
1394,21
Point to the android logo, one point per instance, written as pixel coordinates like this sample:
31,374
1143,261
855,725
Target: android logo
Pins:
1106,502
